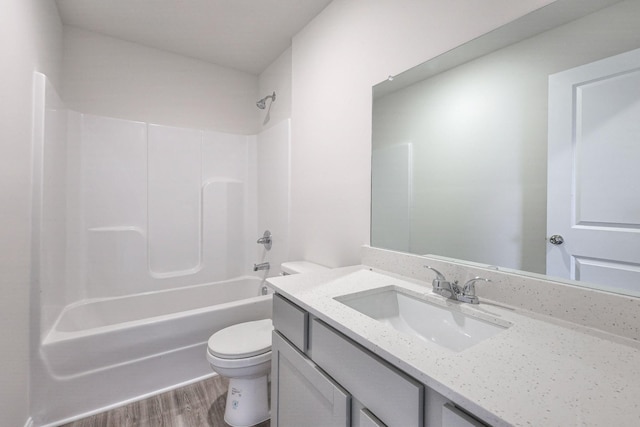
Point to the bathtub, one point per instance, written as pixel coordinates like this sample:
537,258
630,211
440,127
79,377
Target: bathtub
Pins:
104,353
102,334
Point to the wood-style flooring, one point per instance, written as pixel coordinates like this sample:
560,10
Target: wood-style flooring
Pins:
197,405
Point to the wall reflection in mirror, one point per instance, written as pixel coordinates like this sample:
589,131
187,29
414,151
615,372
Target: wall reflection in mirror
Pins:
459,158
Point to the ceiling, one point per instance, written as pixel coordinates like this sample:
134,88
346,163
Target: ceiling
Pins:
245,35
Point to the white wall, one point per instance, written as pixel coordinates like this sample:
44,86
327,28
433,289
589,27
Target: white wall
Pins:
277,77
336,60
30,39
114,78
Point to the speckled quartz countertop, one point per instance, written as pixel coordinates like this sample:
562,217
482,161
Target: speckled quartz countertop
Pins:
537,372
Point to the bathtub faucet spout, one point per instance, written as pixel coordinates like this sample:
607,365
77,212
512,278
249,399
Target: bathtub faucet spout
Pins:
261,266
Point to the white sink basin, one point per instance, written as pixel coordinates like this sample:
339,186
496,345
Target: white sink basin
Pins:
430,322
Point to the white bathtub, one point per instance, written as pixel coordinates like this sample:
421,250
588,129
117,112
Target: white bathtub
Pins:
100,334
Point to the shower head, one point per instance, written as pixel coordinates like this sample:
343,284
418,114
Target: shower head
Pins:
262,104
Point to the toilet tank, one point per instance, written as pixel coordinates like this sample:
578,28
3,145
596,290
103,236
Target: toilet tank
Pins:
299,267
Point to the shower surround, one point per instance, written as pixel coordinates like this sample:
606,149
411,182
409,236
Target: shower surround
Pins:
126,214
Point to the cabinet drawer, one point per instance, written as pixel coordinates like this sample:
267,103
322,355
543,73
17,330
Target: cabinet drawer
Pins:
395,398
291,321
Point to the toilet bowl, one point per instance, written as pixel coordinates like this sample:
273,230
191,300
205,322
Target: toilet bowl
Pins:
242,353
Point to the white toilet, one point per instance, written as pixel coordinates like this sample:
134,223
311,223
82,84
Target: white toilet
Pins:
242,353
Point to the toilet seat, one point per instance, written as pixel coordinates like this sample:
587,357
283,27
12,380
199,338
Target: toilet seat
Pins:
245,362
242,341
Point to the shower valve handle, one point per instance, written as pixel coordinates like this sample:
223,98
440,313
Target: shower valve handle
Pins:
265,240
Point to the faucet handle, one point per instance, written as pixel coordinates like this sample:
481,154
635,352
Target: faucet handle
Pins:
469,287
442,286
265,240
439,276
469,290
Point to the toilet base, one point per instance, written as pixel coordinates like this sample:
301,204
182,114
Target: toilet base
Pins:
247,401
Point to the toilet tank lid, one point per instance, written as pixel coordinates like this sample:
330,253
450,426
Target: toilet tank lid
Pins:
299,267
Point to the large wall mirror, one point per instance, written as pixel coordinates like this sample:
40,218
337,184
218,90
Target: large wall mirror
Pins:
462,156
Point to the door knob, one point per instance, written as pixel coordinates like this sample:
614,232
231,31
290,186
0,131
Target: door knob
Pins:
556,239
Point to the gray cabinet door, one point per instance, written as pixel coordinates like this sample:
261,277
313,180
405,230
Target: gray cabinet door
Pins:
367,419
454,417
301,394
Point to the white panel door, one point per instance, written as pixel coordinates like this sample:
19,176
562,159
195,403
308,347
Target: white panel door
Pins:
594,173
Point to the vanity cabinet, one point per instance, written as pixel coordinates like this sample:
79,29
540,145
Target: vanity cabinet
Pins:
322,378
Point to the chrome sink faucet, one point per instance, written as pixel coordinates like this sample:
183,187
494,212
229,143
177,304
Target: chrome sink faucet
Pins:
442,286
451,290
